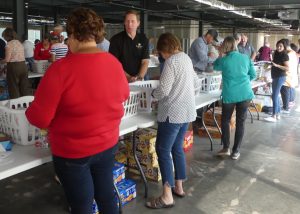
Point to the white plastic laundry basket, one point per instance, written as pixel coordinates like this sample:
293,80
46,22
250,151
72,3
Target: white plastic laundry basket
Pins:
131,104
146,88
40,66
14,123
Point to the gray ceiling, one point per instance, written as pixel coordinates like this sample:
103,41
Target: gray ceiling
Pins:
113,10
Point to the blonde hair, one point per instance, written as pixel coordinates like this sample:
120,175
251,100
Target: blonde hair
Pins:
228,45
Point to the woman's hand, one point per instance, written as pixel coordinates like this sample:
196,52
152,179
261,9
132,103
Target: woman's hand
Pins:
274,64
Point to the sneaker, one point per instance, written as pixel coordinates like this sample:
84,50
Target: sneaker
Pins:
285,111
277,117
235,155
224,152
291,104
270,119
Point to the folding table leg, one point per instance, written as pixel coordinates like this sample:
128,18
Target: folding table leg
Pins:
119,198
255,109
209,136
251,115
214,117
138,164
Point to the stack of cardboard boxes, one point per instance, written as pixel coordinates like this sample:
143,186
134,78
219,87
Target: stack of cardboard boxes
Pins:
145,139
126,187
210,124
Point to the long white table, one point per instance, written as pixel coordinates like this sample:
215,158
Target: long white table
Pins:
23,158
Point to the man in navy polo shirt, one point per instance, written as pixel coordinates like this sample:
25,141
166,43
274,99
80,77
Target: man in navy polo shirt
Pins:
2,48
131,48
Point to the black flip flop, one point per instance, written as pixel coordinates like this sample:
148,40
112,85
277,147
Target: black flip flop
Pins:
158,203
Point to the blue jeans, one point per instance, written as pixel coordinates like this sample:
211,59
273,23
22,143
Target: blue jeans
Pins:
241,116
84,179
292,95
276,86
30,61
169,141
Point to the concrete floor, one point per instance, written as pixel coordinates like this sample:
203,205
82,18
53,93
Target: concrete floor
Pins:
265,180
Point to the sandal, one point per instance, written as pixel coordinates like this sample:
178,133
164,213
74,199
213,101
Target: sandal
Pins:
177,194
158,203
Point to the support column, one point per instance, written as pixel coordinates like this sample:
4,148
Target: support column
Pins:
200,28
144,19
234,30
20,17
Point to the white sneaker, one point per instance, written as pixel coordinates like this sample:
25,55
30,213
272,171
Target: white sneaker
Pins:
270,119
224,152
277,117
285,111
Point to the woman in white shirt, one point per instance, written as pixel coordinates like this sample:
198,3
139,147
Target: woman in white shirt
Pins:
176,109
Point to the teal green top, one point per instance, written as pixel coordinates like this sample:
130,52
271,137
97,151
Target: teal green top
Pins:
237,72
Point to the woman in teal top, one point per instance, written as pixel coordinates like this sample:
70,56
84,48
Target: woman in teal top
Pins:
237,72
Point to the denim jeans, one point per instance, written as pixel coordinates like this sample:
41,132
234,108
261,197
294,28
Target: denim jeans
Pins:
241,116
86,179
285,92
276,87
169,141
30,61
292,94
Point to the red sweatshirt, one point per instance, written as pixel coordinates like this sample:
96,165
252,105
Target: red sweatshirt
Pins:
40,53
79,100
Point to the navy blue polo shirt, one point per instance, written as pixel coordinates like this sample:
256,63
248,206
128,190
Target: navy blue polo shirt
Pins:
2,48
130,52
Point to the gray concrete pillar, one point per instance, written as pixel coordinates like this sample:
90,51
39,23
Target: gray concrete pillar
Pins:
20,17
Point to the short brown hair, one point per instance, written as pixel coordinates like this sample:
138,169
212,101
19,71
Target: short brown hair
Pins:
134,12
228,45
9,34
168,43
84,24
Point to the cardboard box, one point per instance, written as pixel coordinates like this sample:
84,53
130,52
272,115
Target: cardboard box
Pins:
258,103
209,120
151,173
95,208
127,190
146,159
121,157
118,172
213,131
188,141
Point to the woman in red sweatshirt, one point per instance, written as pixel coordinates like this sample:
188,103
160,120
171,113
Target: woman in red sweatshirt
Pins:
42,49
79,100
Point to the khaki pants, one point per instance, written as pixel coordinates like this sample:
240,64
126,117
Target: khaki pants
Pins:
17,79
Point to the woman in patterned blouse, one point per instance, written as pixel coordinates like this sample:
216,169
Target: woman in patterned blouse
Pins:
17,73
176,108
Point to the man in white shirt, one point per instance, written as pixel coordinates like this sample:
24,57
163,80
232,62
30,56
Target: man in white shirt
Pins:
28,51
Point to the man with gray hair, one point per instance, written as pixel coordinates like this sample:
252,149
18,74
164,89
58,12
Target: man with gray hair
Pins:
246,48
199,50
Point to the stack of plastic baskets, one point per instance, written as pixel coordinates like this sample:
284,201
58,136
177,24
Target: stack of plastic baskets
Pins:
40,66
199,84
146,87
131,104
212,82
14,123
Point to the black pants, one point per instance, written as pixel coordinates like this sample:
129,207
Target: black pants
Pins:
285,95
241,116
